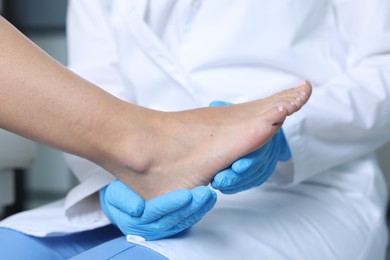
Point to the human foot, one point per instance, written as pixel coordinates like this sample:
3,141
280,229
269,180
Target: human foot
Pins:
186,149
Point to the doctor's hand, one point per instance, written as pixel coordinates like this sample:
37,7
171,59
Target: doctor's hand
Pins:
253,169
160,217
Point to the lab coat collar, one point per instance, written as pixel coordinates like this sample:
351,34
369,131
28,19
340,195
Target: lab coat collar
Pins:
132,12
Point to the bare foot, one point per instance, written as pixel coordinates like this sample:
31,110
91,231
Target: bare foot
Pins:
186,149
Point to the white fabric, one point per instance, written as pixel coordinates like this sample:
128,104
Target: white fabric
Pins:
283,224
329,201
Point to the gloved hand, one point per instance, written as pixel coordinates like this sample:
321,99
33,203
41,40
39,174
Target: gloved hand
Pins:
253,169
161,217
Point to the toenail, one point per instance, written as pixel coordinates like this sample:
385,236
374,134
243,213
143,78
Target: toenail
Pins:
280,108
302,93
300,84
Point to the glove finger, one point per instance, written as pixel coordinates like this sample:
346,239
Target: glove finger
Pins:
247,186
122,197
197,216
261,175
217,103
223,178
259,156
127,225
276,146
204,200
250,181
165,204
244,181
201,196
229,178
123,221
190,220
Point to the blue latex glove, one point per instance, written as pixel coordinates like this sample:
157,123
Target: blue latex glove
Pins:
253,169
161,217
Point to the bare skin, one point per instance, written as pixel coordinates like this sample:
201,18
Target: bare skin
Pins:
152,152
186,149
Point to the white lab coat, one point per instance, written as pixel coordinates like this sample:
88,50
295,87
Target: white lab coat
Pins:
329,201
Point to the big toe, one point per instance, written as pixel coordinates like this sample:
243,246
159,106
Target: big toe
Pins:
296,97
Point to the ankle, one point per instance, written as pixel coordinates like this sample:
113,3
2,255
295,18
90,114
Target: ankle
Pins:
127,148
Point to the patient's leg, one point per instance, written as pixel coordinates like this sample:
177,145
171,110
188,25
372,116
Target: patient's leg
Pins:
186,149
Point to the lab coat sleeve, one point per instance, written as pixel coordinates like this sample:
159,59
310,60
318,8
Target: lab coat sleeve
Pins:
349,115
87,23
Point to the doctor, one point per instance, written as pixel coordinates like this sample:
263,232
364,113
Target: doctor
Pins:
48,103
329,200
45,102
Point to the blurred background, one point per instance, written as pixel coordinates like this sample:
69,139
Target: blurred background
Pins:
45,177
